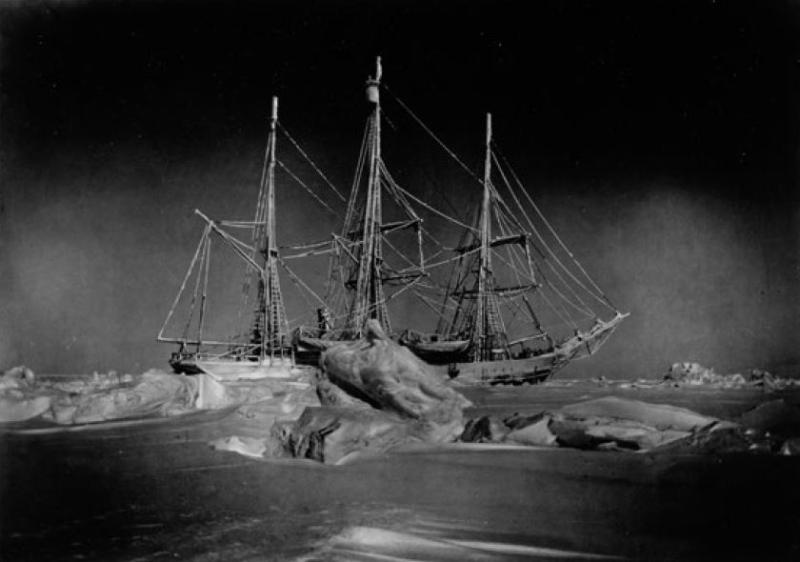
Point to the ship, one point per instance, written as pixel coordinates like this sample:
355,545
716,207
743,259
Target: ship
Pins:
516,306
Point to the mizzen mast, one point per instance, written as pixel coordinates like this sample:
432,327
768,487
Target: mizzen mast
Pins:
481,328
487,314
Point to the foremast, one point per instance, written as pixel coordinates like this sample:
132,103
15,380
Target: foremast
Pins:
270,328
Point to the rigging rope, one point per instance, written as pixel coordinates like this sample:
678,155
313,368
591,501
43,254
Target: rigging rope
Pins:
555,235
334,288
185,280
399,253
192,303
309,246
512,267
394,295
453,258
586,309
241,224
310,161
360,165
393,187
427,302
567,320
432,134
294,276
436,211
513,251
302,294
204,297
600,298
308,189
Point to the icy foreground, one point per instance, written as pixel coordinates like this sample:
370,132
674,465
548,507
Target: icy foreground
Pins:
373,396
106,397
377,397
153,489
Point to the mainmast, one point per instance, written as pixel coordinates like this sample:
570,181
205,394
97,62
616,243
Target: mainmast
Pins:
369,301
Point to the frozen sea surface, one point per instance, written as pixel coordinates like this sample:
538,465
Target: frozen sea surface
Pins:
155,490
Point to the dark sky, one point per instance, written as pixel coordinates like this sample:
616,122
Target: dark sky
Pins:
660,137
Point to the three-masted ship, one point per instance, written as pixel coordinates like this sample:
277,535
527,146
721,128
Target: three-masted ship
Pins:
516,306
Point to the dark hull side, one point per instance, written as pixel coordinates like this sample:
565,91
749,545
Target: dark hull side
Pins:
443,356
185,366
308,350
531,369
512,371
437,352
226,369
505,371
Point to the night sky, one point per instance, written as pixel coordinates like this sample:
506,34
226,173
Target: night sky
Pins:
661,139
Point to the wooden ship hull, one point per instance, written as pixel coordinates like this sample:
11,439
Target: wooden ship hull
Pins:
232,369
308,349
437,352
533,369
447,358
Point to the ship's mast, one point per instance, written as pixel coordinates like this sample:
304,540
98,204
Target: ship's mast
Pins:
369,299
270,323
481,333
